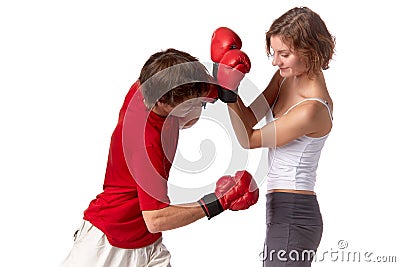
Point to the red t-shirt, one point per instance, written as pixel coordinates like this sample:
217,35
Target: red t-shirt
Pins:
142,149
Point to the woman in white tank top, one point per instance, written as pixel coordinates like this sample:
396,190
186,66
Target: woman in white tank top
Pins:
301,47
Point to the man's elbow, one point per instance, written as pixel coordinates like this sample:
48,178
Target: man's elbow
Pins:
153,226
153,223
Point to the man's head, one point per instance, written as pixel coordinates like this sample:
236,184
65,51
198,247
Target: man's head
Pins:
172,77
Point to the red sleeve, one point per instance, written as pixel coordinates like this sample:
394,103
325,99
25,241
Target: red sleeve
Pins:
144,153
151,178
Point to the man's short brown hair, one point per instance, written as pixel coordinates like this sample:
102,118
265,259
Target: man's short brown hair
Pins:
171,77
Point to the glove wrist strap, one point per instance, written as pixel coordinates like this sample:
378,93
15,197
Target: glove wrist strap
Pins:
211,205
226,96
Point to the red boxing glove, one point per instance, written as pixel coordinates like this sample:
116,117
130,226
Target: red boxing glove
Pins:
232,68
230,193
227,195
226,55
223,40
250,197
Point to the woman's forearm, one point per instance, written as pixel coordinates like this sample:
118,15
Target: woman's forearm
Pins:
242,121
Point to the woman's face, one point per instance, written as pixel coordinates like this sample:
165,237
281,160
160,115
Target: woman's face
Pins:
290,63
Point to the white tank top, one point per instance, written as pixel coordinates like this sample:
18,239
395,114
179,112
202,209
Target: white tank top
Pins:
294,165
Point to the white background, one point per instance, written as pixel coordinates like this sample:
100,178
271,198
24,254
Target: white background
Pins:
65,67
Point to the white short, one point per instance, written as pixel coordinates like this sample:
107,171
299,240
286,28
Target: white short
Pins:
91,248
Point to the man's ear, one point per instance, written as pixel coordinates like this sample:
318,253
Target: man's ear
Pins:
160,104
162,108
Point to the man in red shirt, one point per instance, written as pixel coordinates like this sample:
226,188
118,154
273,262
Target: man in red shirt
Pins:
122,226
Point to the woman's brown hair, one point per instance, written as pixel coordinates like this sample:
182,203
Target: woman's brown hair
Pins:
305,33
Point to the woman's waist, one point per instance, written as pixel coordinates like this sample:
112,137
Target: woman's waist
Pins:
293,191
293,206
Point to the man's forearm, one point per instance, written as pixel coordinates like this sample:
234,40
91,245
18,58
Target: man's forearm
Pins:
172,217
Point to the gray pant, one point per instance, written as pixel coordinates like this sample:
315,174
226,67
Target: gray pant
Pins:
294,230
